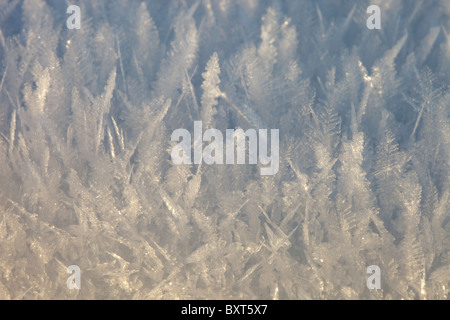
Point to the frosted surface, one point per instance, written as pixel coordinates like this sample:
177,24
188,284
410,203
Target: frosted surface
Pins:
86,177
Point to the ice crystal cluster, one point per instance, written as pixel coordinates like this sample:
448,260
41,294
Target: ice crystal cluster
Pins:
86,177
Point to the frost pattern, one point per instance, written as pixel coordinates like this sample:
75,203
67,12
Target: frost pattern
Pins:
85,123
